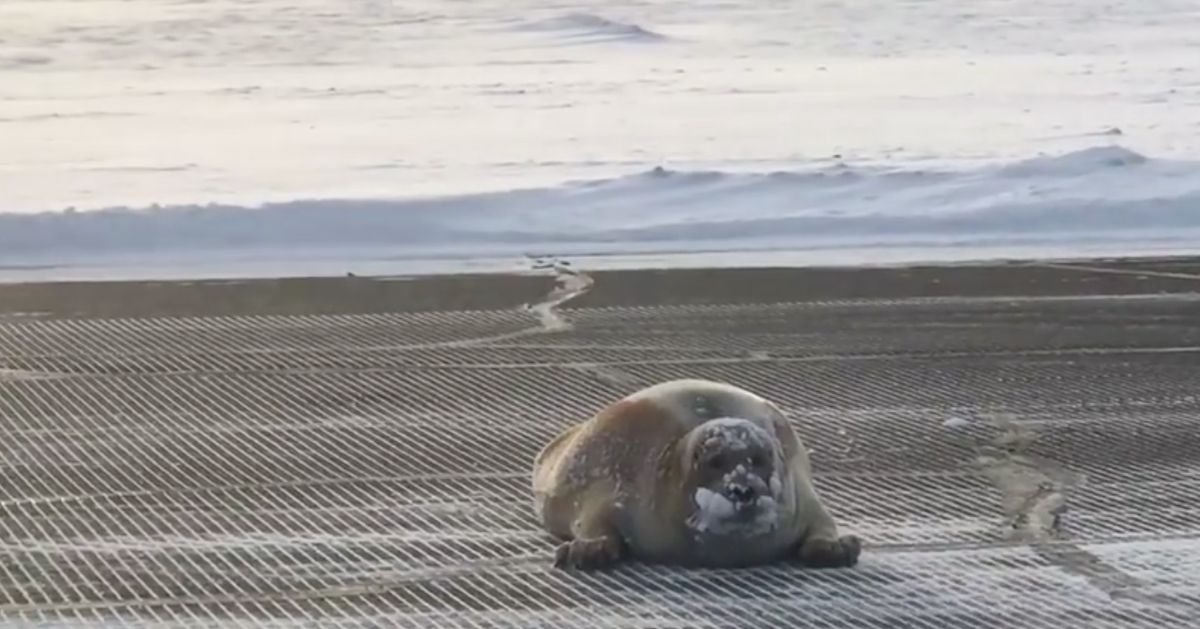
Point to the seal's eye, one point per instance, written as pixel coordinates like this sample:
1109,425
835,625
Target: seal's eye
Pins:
717,462
758,460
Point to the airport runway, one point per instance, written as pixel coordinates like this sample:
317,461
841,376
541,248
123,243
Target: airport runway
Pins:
1018,445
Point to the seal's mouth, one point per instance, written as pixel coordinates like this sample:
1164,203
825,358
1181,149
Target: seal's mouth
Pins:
746,508
749,511
733,512
741,495
749,502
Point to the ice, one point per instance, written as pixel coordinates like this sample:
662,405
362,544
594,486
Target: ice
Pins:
711,509
735,434
956,422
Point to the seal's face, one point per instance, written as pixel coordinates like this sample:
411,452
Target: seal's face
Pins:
734,468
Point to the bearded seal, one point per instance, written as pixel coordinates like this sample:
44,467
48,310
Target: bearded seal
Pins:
688,473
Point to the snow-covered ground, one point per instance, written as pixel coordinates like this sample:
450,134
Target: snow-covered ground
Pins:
182,138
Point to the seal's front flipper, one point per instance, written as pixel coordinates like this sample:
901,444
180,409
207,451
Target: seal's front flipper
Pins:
595,553
596,544
822,546
825,552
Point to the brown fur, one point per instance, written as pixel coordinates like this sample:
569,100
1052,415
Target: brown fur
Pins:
621,484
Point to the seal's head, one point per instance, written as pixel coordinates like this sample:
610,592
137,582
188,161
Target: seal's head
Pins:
734,467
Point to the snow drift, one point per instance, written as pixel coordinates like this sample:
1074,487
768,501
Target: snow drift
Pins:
1100,194
591,27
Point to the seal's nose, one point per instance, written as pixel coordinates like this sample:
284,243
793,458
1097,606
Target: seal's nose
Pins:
741,493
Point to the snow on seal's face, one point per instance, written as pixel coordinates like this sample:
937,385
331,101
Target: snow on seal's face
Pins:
737,484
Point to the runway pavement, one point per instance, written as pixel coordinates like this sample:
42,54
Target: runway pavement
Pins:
1018,445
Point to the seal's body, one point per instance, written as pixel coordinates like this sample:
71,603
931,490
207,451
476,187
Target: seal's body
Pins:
687,472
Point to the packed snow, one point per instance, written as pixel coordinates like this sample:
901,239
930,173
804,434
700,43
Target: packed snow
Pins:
169,138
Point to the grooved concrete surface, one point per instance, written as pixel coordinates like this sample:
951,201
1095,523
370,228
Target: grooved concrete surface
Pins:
1027,458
